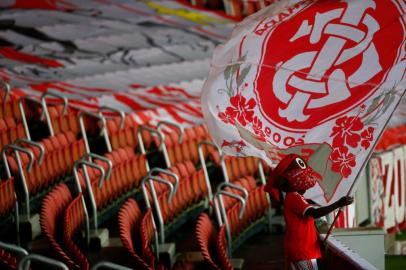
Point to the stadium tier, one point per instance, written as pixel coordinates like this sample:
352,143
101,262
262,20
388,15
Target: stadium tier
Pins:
107,162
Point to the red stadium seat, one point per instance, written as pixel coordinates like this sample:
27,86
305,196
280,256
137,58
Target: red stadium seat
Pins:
147,235
188,149
127,172
205,237
73,219
51,219
192,188
221,244
61,151
7,260
129,220
7,197
9,109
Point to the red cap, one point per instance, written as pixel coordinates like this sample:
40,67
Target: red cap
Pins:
279,170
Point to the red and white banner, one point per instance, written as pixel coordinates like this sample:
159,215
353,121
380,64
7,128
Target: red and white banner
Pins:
177,103
317,78
387,174
148,58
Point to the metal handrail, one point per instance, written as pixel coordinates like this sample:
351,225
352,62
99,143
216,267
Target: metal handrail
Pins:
23,115
92,200
164,147
233,186
141,141
17,149
52,94
221,213
109,163
109,265
261,172
121,113
175,125
150,179
268,197
25,262
102,131
6,87
35,144
204,166
79,191
88,184
14,249
169,173
46,111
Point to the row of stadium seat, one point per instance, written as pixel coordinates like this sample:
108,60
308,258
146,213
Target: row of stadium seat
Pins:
62,147
191,187
128,169
15,257
215,247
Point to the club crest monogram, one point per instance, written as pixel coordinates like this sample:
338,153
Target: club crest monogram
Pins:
337,61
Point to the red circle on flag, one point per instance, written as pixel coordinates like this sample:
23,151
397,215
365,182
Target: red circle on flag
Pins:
347,47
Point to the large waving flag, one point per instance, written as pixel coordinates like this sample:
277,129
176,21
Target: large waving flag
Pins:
317,78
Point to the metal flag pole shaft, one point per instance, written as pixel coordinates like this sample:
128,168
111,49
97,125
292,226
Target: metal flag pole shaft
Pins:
362,168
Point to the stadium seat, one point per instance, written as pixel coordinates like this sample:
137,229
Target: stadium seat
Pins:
7,197
129,220
73,219
52,212
205,235
221,244
7,260
147,233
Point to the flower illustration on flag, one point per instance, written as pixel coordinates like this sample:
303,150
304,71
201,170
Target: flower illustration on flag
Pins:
241,109
347,131
343,161
367,137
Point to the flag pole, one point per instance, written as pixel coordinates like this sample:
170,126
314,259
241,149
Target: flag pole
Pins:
362,168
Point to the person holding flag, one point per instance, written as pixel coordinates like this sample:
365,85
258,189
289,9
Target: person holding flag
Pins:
293,176
320,79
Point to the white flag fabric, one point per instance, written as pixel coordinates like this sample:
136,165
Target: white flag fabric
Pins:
317,78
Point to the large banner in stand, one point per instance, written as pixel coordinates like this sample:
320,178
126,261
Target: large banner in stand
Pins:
387,181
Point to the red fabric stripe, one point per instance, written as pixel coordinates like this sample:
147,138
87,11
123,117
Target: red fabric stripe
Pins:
180,90
176,116
129,102
46,86
190,110
90,89
13,54
168,90
44,4
144,118
84,103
